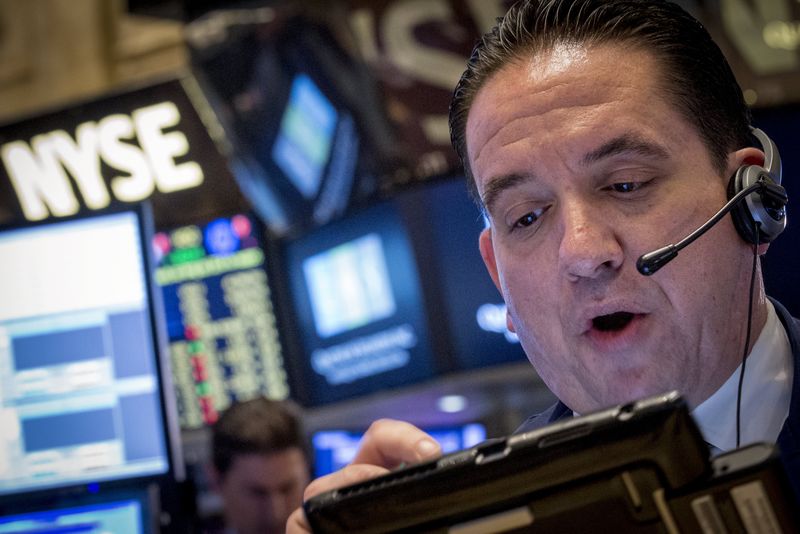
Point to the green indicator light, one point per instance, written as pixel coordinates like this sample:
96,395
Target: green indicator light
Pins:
185,255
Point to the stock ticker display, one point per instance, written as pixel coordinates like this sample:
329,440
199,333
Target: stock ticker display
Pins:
223,338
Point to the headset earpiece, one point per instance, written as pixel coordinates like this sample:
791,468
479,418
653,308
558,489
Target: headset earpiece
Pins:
757,207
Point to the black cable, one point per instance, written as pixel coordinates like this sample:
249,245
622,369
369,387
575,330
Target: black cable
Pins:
747,339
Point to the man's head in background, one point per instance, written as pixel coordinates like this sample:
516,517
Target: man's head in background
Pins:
260,464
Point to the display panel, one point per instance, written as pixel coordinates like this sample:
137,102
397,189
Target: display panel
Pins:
362,322
448,224
223,338
80,386
308,135
119,517
333,449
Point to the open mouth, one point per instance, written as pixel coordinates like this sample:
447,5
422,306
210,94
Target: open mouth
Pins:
613,321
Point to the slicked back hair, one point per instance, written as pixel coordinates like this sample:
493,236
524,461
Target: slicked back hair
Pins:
694,75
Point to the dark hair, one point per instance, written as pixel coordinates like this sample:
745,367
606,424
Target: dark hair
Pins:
257,426
695,75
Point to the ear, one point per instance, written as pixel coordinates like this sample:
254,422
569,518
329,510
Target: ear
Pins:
487,253
744,156
740,158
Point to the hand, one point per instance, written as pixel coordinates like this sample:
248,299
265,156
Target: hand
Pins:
385,446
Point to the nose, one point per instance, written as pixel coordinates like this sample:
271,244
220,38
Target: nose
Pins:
590,245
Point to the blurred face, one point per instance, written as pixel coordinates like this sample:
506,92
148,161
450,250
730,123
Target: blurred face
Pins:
261,490
582,167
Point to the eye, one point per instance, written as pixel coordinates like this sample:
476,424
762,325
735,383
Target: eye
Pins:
528,219
630,184
626,187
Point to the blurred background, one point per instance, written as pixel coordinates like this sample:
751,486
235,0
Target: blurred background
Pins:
305,220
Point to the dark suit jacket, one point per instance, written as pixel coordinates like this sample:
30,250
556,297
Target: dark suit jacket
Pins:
789,438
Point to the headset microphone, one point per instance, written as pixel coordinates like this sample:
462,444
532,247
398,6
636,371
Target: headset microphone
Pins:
772,195
766,212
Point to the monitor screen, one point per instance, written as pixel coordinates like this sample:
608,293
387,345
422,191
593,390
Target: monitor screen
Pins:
80,385
223,338
309,136
359,307
333,449
305,136
119,517
474,320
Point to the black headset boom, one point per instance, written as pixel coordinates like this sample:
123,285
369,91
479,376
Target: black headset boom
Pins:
758,210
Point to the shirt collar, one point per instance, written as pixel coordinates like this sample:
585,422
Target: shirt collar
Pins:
766,393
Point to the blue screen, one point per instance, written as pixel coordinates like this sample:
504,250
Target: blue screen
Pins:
80,391
304,142
333,449
359,303
121,517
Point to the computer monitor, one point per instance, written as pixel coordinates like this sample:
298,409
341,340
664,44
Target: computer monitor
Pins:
446,224
333,449
224,341
361,320
82,392
125,512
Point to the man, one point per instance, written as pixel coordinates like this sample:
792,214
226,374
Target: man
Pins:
259,465
593,132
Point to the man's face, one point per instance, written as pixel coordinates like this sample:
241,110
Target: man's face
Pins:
259,491
583,166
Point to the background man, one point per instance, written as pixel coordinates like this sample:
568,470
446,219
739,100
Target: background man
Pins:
260,465
592,132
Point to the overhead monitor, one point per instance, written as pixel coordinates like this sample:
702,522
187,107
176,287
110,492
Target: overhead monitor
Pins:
308,135
82,394
224,343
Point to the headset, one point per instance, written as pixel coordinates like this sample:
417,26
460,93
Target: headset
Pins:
756,201
764,211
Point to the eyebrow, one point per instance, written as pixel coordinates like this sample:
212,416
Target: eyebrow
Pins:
624,144
500,184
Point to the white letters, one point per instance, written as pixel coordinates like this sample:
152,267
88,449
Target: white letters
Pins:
39,181
139,184
436,67
80,160
162,148
40,172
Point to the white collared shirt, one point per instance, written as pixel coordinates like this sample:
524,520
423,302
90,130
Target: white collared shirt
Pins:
766,393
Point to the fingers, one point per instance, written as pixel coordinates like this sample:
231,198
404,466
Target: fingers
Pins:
350,474
386,445
389,443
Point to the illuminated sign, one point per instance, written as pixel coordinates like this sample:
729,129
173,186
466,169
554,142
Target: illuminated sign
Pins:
124,148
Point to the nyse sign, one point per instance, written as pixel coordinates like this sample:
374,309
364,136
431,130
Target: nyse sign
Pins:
125,148
38,170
